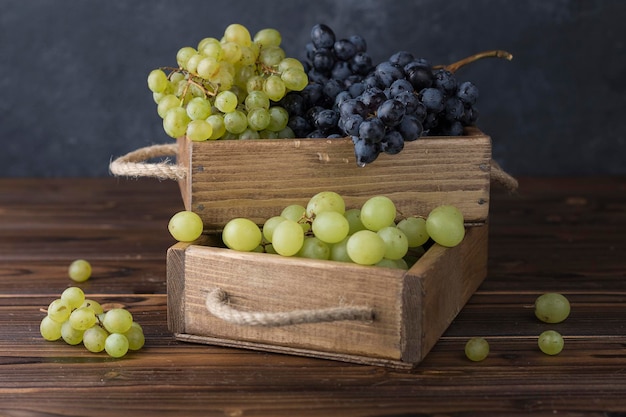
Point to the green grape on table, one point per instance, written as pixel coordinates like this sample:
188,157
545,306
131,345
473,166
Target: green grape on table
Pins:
79,270
59,310
288,238
185,226
477,349
95,306
70,335
135,336
242,234
74,296
445,225
550,342
365,247
117,320
330,226
552,307
50,329
83,318
94,339
378,212
116,345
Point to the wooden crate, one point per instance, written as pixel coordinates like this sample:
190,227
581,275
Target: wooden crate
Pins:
409,309
258,178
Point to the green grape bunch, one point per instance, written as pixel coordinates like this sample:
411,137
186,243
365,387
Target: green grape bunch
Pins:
228,88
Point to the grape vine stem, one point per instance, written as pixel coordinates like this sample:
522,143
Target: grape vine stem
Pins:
455,66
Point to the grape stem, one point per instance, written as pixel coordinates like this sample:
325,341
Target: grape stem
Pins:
455,66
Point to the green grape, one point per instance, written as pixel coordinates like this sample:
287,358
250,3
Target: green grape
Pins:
365,247
166,103
297,213
258,119
83,318
268,134
193,61
314,248
94,339
135,336
290,63
50,329
279,117
444,225
157,81
185,226
242,234
415,230
207,67
257,100
175,122
295,79
255,83
74,296
288,238
224,78
396,242
552,307
70,335
286,133
117,320
217,126
378,212
476,349
249,55
238,33
198,108
183,55
232,52
226,101
390,263
116,345
236,122
354,220
199,130
330,226
249,134
268,37
271,56
339,251
325,201
274,87
59,310
269,226
551,342
93,305
79,270
211,48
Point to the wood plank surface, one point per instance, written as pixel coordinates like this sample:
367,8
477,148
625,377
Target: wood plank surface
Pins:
554,234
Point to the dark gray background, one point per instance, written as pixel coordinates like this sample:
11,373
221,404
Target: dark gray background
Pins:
73,73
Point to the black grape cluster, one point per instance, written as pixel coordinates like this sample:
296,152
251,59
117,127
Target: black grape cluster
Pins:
381,106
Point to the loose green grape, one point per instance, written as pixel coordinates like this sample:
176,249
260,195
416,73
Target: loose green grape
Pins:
396,242
83,318
444,225
339,251
279,117
199,130
325,201
295,79
70,335
157,81
242,234
175,122
135,336
217,126
551,342
226,101
330,226
117,320
378,212
59,310
258,119
288,238
94,339
415,230
185,226
274,87
476,349
552,308
268,37
79,270
116,345
269,226
365,247
236,122
74,296
50,329
314,248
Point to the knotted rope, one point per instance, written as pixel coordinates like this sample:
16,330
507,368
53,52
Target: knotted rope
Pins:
217,304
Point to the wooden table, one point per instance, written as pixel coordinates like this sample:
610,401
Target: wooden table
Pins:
564,235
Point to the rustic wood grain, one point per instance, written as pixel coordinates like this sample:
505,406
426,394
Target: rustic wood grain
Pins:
555,234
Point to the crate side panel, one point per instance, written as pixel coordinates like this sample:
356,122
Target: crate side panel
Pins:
270,283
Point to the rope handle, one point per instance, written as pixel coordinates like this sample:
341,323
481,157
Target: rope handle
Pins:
217,304
133,163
